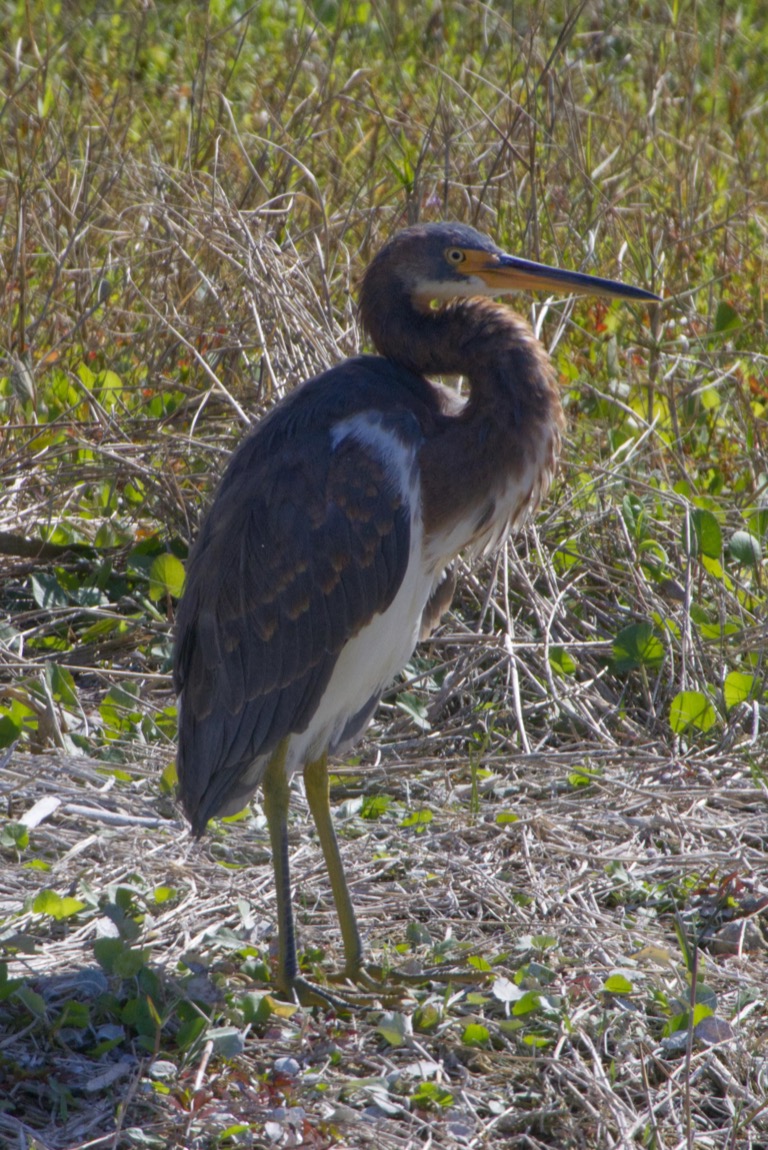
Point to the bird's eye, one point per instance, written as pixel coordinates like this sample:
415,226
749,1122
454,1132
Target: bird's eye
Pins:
455,255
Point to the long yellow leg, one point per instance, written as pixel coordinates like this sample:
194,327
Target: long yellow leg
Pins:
318,797
277,795
277,792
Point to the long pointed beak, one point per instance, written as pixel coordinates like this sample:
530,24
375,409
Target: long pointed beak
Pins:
504,273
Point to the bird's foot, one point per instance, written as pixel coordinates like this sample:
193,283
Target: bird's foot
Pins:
373,986
361,976
394,976
307,993
361,988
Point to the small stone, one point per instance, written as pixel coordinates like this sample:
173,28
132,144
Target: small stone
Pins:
287,1066
742,937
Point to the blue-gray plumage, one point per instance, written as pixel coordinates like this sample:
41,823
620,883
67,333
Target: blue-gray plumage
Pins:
304,544
328,548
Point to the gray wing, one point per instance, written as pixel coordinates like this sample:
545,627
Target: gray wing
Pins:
304,543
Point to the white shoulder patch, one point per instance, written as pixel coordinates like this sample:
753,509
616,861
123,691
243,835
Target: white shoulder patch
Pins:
369,430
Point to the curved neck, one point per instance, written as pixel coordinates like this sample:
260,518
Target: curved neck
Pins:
488,343
491,462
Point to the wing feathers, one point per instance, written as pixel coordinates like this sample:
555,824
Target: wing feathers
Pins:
302,547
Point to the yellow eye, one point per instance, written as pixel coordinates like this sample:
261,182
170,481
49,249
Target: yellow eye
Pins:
454,255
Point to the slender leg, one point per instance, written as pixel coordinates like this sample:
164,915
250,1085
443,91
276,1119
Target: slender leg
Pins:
277,794
276,798
318,797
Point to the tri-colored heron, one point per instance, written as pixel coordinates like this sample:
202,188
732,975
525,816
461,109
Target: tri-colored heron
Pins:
327,551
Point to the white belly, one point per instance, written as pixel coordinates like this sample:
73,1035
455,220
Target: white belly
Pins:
365,668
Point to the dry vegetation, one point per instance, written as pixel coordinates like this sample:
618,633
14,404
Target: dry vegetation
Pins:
557,828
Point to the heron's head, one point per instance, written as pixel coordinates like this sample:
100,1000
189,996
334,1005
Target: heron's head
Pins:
439,262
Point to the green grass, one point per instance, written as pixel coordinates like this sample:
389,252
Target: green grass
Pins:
188,196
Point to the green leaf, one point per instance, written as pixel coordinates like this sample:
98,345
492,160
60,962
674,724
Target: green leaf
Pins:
527,1004
48,592
566,556
9,731
578,779
129,962
48,902
706,995
633,514
163,894
702,534
561,662
233,1134
476,1035
108,535
143,555
417,934
254,1007
476,998
134,491
375,806
413,706
691,709
110,386
120,706
14,836
637,646
537,1040
427,1017
169,779
62,684
87,377
418,819
758,522
394,1027
75,1014
115,957
739,688
682,1021
715,569
431,1094
745,549
675,1023
166,577
190,1031
726,318
503,818
8,986
618,984
34,1002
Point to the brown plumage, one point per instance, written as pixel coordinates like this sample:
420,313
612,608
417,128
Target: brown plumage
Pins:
328,547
